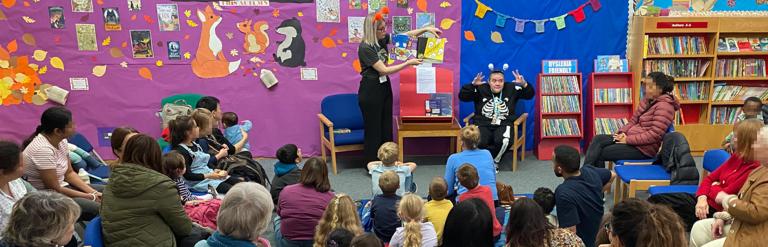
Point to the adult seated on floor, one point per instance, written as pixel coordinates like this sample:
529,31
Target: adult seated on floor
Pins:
528,226
118,139
637,223
47,165
41,218
479,158
243,216
641,137
216,138
300,206
11,185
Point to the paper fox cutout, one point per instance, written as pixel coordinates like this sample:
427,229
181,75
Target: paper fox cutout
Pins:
256,39
209,61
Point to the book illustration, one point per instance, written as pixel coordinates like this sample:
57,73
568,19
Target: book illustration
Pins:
431,49
425,20
111,19
174,50
764,43
355,28
732,45
56,14
402,47
755,44
440,105
402,3
86,37
168,17
355,4
722,45
256,39
743,44
134,5
141,44
401,24
376,5
82,6
328,11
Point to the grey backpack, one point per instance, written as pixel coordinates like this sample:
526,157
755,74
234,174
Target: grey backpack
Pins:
173,110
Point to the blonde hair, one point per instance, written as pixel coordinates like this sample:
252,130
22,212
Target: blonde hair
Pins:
40,218
388,153
470,136
341,212
245,212
204,119
411,212
369,30
389,182
746,135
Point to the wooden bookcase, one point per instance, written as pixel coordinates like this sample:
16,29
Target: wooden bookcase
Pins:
613,110
694,120
547,143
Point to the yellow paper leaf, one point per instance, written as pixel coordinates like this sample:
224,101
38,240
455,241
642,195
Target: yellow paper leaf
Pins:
300,14
496,37
191,23
28,19
343,54
106,41
445,4
276,12
217,7
446,23
39,55
187,55
57,63
99,70
22,78
34,66
159,63
4,64
43,70
28,39
115,52
187,13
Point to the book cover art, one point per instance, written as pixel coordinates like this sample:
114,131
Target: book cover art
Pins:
141,44
732,45
82,6
376,5
401,24
755,44
328,11
435,50
174,50
111,19
355,28
425,20
606,63
355,4
722,45
56,14
402,47
86,37
764,43
402,3
134,5
441,104
168,17
743,44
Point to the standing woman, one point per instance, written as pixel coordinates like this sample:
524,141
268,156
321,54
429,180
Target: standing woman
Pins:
375,93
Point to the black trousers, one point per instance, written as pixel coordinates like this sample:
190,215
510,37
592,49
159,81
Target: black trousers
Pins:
375,100
496,139
603,149
683,204
224,187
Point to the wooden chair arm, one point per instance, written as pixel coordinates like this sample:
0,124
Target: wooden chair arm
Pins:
324,120
467,118
521,119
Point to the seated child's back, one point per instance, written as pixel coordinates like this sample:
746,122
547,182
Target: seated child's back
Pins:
438,208
233,129
384,207
468,178
388,155
546,199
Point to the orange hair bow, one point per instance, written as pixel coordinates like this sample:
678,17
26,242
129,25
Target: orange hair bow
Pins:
380,14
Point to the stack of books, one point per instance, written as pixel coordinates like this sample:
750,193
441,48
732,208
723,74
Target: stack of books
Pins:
561,127
741,67
559,84
613,95
723,92
678,45
569,103
691,90
724,114
677,67
742,44
607,126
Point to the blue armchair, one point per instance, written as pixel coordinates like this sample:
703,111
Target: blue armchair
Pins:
93,236
341,125
713,158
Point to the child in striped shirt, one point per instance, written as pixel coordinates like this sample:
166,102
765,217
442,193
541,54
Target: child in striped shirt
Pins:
174,167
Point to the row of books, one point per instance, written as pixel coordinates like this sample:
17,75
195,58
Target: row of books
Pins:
677,67
613,95
560,84
691,90
679,117
743,44
741,67
678,45
569,103
607,126
561,127
723,92
724,114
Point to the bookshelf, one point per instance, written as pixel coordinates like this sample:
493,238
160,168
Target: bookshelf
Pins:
610,101
560,112
711,78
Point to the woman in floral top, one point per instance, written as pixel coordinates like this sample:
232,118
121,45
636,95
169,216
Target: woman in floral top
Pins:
528,227
11,186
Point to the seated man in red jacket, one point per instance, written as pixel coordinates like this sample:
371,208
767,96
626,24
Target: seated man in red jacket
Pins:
642,136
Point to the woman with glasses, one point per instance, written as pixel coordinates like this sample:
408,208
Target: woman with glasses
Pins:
375,92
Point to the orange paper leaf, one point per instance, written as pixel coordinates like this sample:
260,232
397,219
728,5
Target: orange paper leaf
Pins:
333,31
9,3
145,73
356,65
2,15
186,36
4,54
133,17
12,46
149,19
276,12
422,5
469,35
100,2
338,41
26,4
328,43
124,44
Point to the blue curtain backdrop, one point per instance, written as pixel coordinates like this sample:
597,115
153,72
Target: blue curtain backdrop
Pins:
602,33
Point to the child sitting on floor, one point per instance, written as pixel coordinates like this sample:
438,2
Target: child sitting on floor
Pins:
546,199
384,207
751,109
233,130
341,213
414,232
287,171
438,208
173,167
468,178
388,162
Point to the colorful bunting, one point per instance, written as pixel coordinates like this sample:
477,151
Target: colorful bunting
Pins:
559,21
519,25
481,9
578,13
501,19
595,4
540,25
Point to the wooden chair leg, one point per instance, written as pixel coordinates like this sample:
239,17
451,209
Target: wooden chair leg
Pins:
617,191
632,189
333,159
322,151
514,159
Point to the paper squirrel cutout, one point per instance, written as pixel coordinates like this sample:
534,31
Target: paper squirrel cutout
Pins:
209,61
256,40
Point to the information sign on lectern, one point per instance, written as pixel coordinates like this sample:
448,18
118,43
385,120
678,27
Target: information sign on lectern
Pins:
424,102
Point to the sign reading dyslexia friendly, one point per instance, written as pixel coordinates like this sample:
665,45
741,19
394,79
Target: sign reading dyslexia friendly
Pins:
559,66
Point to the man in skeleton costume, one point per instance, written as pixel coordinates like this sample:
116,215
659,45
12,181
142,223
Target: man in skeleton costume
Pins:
495,107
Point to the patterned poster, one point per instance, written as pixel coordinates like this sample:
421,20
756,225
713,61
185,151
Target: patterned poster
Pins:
355,28
86,37
355,4
56,14
111,19
134,5
82,6
328,11
401,24
141,44
168,17
402,3
424,20
174,50
375,5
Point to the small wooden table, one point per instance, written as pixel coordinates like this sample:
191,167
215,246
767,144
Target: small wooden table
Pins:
409,130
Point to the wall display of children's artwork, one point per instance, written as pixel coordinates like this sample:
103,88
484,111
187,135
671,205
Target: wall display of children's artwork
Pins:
168,17
424,20
174,50
134,5
290,51
141,43
355,4
82,6
401,24
209,61
328,11
56,14
86,37
376,5
111,19
355,28
256,39
402,3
